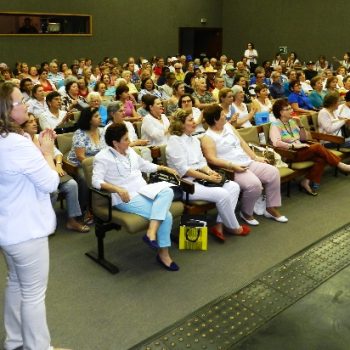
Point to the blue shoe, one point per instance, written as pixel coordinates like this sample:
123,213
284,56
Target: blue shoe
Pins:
172,267
151,243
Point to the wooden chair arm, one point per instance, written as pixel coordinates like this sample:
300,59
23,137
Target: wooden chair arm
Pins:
327,137
287,154
69,167
187,186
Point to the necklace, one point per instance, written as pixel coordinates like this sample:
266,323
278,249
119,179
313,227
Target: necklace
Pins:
288,129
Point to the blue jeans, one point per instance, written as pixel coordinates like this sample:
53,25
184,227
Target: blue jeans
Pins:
70,188
157,209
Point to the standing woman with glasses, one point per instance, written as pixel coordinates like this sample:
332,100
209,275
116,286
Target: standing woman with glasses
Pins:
27,177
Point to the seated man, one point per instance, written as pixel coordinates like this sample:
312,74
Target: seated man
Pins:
219,84
276,88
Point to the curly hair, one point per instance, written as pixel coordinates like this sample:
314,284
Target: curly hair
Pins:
177,124
6,123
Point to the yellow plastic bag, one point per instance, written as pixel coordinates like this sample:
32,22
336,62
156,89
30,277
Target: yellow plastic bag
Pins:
193,237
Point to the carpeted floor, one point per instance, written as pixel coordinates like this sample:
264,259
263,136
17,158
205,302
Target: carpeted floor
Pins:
90,309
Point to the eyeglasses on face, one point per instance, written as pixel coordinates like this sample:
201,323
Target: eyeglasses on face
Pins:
289,108
186,101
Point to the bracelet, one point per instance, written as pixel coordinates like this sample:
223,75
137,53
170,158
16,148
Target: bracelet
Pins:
58,162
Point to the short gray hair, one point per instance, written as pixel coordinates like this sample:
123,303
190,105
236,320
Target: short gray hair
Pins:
114,107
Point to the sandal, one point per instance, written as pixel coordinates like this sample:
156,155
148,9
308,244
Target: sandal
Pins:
219,235
88,218
81,228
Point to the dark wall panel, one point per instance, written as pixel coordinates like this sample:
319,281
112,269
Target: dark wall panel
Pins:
120,28
310,27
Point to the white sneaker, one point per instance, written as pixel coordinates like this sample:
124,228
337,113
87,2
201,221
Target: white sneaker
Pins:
282,219
252,222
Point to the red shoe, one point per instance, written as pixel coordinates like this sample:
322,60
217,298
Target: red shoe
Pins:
219,235
245,231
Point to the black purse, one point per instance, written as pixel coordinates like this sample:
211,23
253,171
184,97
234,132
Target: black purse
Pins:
160,176
207,183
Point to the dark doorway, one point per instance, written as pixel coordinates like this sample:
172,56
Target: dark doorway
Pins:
196,41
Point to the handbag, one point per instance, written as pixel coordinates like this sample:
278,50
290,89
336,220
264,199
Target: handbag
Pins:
207,183
193,233
160,176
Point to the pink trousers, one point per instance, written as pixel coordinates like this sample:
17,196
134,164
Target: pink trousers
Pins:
253,180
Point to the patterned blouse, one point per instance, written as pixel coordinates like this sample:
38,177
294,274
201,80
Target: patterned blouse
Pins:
283,134
206,98
81,139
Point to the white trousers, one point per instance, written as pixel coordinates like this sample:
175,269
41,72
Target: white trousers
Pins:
225,198
24,311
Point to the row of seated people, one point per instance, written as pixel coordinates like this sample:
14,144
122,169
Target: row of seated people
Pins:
222,146
261,103
206,88
88,141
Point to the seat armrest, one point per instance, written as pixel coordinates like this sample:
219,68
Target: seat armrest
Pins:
108,197
287,154
69,167
188,188
327,137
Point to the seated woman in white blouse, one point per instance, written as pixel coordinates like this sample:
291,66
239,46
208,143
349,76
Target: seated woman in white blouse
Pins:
155,124
37,104
330,121
118,169
55,117
224,147
184,154
244,117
